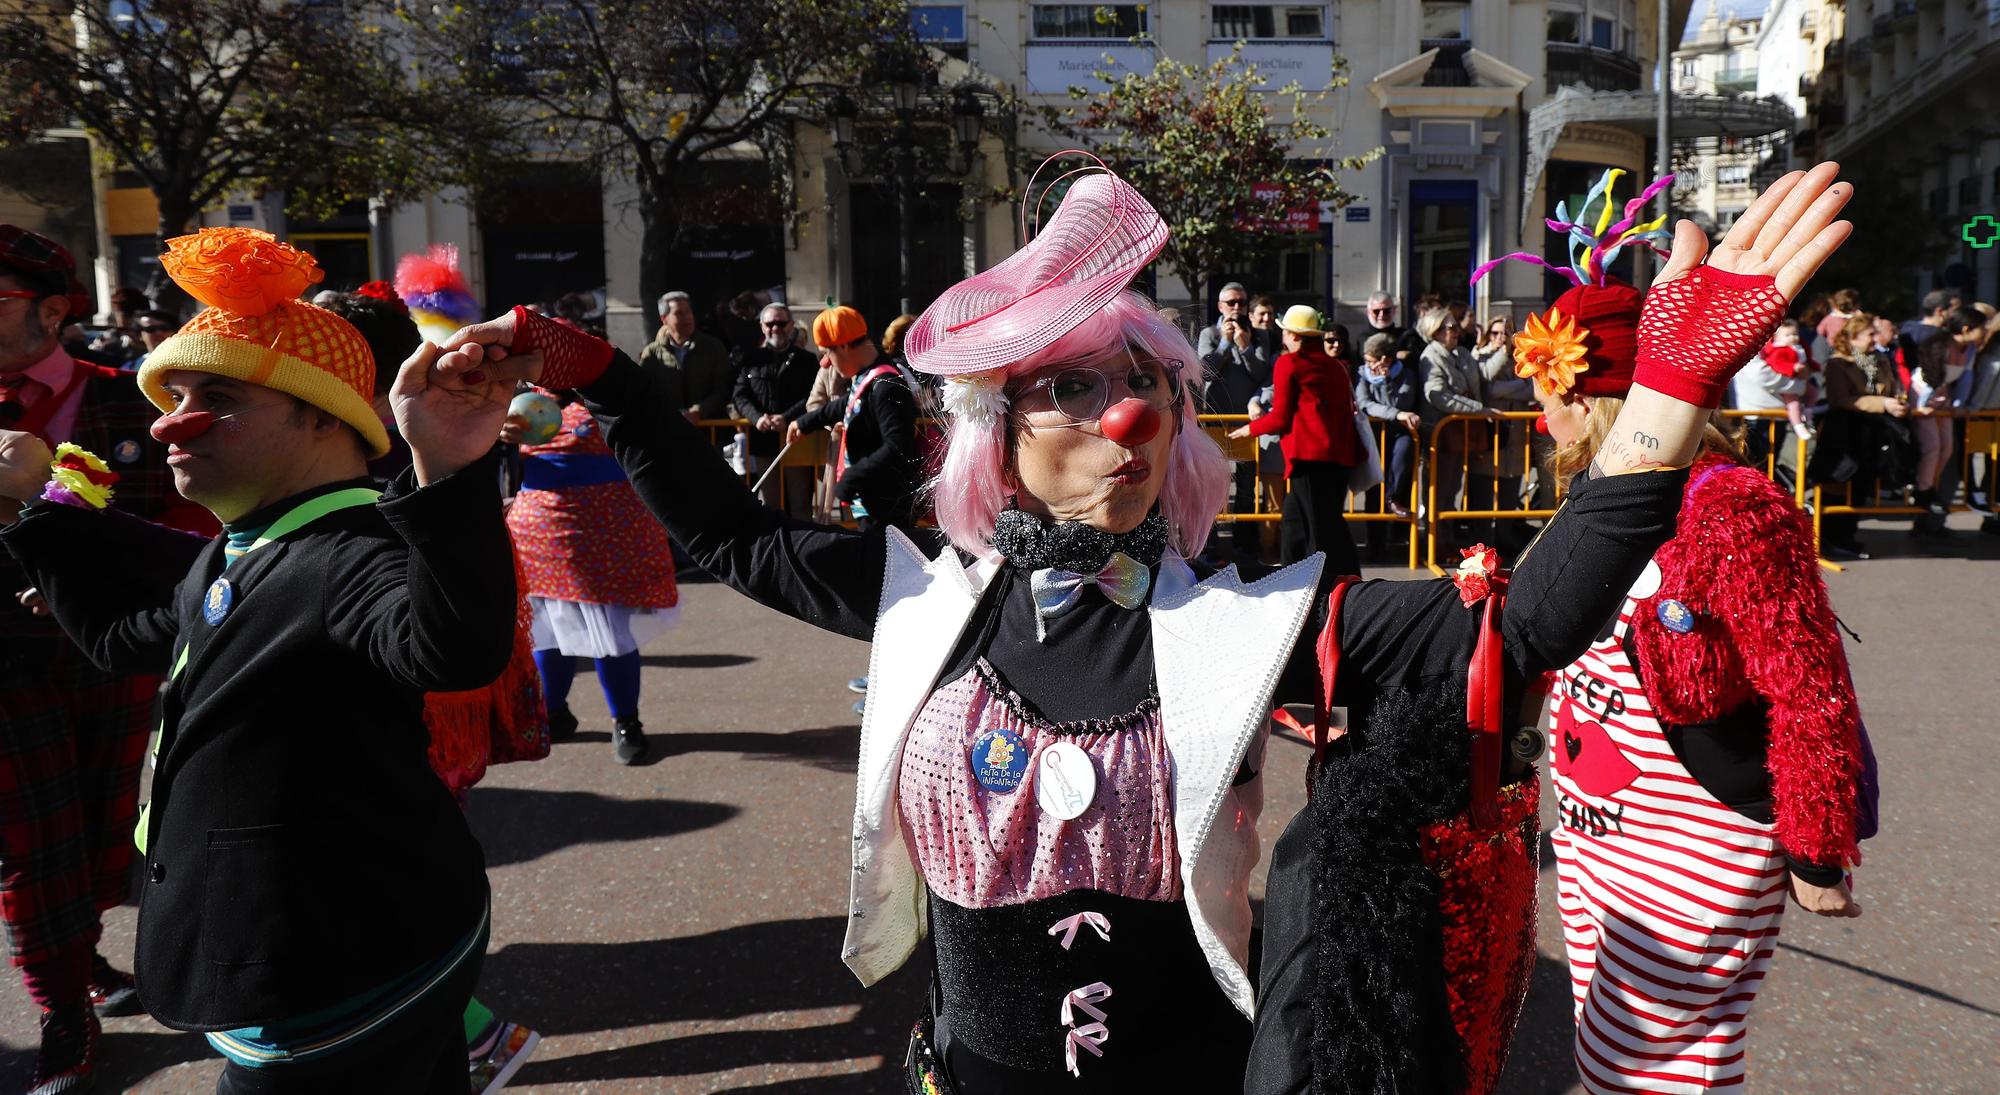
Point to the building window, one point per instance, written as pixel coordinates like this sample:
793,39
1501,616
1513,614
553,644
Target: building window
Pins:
938,22
1444,20
1564,25
1060,21
1735,174
1601,31
1235,22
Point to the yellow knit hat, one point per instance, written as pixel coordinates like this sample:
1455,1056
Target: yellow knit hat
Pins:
255,329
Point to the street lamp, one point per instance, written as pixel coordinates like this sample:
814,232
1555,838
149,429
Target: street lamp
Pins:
840,119
966,118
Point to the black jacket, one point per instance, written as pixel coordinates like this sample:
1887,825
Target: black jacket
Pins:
884,470
773,382
301,851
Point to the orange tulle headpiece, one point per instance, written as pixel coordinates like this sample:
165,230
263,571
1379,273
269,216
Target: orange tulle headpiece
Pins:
1551,352
240,270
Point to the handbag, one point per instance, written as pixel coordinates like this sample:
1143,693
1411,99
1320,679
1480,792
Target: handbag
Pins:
1367,475
1486,858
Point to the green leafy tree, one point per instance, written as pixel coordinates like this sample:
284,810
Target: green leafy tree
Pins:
1219,156
645,89
204,98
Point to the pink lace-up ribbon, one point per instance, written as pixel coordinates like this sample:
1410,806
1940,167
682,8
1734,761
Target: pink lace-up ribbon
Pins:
1067,926
1090,1036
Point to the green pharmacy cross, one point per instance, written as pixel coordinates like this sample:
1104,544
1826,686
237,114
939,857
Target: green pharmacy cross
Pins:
1981,231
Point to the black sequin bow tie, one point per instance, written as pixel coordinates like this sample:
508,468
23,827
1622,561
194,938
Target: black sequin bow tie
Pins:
1030,544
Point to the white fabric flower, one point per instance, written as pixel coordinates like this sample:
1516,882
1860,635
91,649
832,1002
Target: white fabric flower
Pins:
977,398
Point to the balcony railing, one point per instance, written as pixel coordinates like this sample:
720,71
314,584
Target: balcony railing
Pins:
1736,83
1448,67
1808,86
1836,49
1590,67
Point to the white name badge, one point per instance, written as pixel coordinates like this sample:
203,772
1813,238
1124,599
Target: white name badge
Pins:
1065,781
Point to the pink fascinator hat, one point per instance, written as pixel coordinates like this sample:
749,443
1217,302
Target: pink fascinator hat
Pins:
1100,238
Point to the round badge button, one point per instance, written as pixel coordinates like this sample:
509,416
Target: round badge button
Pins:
1648,582
1065,781
999,760
1676,617
215,605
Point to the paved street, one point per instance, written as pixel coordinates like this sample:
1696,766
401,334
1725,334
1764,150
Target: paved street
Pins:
675,927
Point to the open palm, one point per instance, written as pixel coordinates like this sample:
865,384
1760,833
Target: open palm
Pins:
1787,234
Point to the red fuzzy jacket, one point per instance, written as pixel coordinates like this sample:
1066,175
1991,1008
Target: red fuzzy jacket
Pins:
1312,410
1743,561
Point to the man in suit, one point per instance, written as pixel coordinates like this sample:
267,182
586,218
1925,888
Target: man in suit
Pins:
312,897
75,734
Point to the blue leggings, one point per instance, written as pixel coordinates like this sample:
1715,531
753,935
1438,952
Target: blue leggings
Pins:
619,677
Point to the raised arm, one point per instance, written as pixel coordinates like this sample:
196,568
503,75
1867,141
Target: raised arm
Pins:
825,576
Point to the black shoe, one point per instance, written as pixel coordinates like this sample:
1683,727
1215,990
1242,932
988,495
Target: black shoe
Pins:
68,1060
562,725
112,990
1990,526
630,738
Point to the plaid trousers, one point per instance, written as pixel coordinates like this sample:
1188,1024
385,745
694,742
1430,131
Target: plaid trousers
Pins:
72,740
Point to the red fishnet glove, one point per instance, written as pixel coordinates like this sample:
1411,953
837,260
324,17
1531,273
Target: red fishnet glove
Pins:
570,358
1696,331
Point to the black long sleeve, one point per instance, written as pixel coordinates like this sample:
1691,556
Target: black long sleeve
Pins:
109,579
440,616
826,576
1397,634
888,467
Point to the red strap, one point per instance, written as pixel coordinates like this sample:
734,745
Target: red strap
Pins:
1328,649
1486,712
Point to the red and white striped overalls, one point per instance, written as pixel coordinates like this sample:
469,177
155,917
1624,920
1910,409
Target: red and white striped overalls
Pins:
1669,899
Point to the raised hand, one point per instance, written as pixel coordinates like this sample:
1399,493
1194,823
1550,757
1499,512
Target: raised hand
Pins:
449,418
1705,319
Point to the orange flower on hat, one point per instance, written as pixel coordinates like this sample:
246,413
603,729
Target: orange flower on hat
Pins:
240,270
1551,352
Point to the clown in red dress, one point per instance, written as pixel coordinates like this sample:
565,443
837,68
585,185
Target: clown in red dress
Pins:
599,569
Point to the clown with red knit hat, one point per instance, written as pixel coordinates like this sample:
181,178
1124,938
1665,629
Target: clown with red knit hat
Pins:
312,898
1708,752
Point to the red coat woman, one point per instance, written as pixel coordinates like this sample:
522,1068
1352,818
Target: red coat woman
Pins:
1312,412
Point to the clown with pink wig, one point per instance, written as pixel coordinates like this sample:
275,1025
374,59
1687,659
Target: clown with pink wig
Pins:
1062,753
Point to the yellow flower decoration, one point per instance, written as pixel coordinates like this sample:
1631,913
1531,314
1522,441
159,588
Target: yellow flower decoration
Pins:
239,270
78,474
1551,352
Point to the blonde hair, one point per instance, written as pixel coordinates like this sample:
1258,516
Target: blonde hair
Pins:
1716,437
1431,322
1843,340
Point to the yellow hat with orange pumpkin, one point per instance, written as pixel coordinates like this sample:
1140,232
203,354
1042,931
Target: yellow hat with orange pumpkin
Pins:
257,330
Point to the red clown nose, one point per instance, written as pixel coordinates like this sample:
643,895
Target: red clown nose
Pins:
172,429
1130,422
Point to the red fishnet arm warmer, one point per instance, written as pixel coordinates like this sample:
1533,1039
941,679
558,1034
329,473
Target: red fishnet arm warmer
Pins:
570,358
1696,331
1783,628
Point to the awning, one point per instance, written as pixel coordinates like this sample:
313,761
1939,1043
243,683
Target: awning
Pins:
1696,120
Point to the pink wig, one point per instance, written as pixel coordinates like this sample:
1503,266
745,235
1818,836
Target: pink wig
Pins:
971,488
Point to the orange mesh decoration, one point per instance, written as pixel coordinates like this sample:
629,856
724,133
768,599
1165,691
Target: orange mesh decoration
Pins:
239,270
295,328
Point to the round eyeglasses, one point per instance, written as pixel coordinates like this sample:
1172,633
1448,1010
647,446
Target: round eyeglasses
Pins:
1073,395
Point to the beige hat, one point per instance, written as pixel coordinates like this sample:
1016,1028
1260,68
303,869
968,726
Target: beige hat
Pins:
1302,319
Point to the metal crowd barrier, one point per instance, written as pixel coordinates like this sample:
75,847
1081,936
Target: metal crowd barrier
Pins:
1372,506
1974,433
1461,451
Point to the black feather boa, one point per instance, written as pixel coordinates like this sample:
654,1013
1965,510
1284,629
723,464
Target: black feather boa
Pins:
1381,1021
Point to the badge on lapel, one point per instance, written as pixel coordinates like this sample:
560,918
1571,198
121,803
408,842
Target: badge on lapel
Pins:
215,606
1676,617
127,451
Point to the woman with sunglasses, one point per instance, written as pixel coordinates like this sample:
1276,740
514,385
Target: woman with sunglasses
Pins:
1061,755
